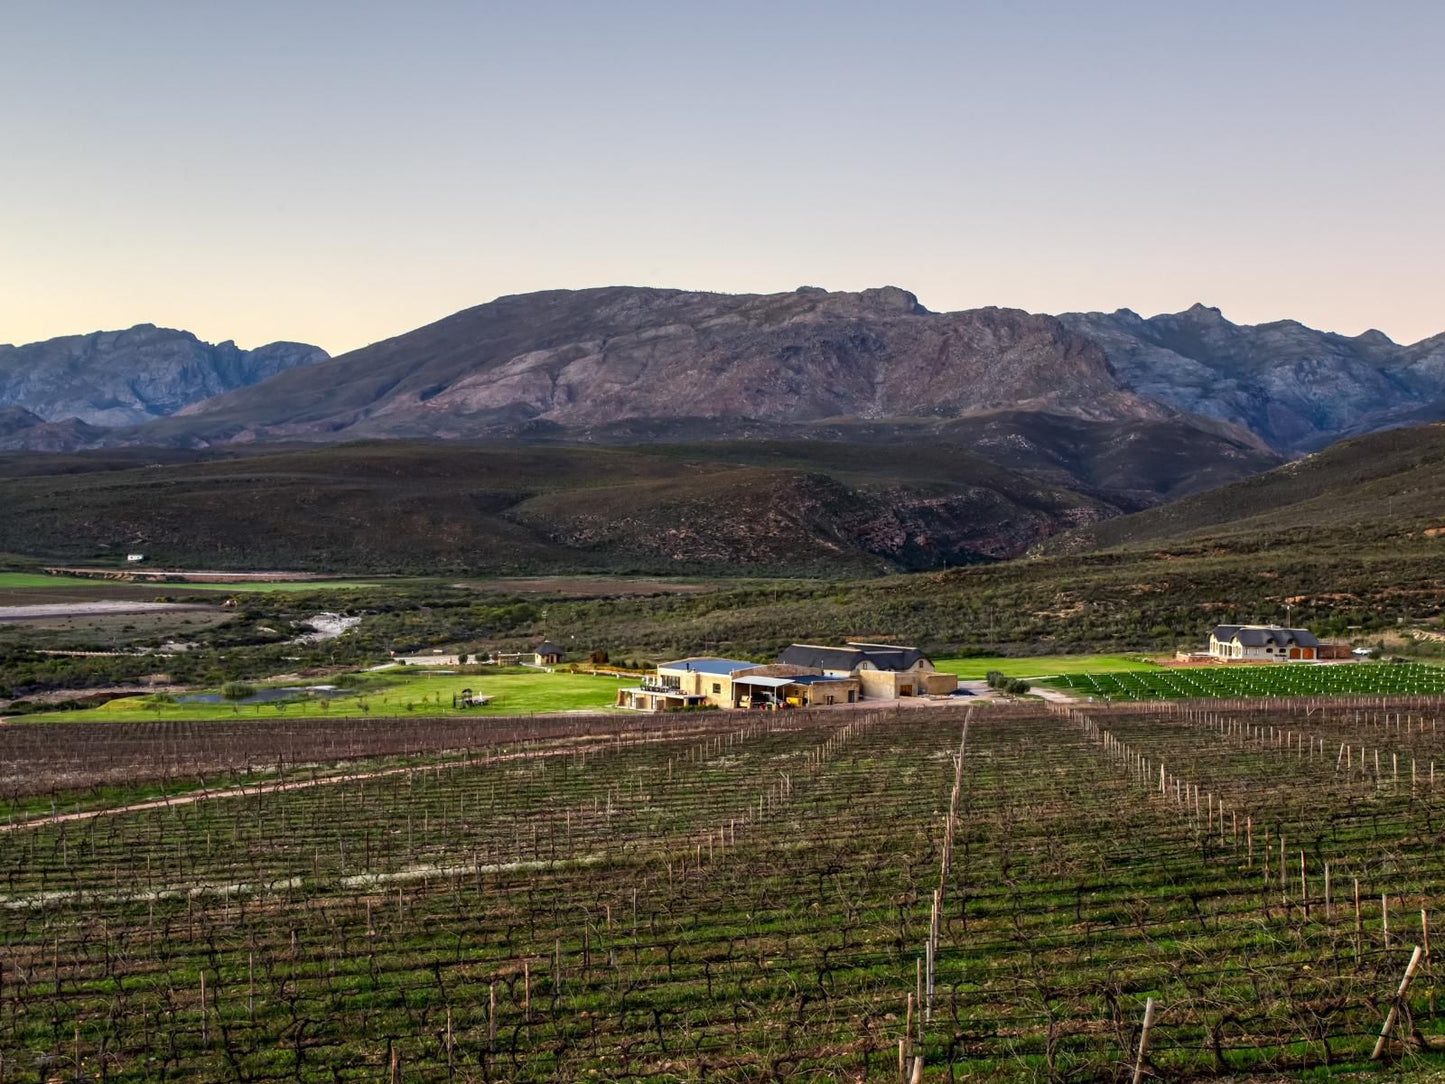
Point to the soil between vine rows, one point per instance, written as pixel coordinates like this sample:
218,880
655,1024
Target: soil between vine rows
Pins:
748,899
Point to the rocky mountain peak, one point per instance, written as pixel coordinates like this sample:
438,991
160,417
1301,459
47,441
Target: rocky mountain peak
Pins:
892,299
130,376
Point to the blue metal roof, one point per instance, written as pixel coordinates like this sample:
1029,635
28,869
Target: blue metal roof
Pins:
810,679
721,667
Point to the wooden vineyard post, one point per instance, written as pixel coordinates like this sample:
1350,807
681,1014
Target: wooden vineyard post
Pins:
906,1044
1329,910
1394,1013
1359,922
491,1018
1144,1041
451,1069
1385,917
918,983
1249,835
1425,938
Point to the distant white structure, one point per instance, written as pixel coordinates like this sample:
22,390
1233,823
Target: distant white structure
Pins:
133,558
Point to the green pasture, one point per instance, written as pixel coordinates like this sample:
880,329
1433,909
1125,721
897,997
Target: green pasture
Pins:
36,579
1269,680
1044,665
395,692
268,588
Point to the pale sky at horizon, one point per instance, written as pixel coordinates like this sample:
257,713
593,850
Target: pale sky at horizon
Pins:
338,173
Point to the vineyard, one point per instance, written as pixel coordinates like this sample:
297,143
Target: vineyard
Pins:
927,895
1268,680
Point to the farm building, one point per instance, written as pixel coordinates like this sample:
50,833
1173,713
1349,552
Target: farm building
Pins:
884,671
687,683
1267,643
805,675
544,654
734,683
434,658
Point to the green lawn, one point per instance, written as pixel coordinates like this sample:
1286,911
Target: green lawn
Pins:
1044,665
404,693
36,579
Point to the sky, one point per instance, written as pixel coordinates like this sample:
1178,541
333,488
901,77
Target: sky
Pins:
337,173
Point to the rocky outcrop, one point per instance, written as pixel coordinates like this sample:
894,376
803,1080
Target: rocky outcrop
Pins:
124,378
1295,387
14,419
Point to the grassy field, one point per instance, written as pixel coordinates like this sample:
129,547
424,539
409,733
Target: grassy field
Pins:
398,692
35,579
1306,679
1044,665
742,899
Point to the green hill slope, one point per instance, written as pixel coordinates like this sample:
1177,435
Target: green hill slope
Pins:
1385,485
453,508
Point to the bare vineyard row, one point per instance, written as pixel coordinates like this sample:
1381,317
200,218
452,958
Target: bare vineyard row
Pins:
819,896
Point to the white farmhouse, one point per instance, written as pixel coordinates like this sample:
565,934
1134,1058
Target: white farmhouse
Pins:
1263,643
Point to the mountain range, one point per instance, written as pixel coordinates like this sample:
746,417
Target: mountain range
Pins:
1295,387
807,412
626,364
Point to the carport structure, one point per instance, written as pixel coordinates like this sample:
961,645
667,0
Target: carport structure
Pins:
759,692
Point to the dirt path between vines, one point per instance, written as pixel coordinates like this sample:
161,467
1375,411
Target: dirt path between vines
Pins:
279,785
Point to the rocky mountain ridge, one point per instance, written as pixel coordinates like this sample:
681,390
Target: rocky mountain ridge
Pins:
1295,387
628,365
127,378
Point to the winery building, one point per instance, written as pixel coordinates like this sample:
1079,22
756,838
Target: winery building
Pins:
1264,643
736,683
884,671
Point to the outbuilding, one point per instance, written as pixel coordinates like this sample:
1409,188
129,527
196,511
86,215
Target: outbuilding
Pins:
883,671
547,654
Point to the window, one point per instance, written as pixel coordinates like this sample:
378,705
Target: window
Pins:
716,688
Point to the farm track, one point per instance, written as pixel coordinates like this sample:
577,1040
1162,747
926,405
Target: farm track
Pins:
752,903
277,786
